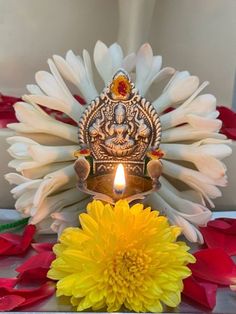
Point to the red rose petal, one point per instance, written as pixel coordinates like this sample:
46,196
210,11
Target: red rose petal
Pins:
38,294
6,118
8,282
214,265
36,267
19,291
42,247
227,225
7,113
27,296
228,118
229,132
201,292
28,236
13,244
42,259
218,239
5,247
12,238
10,302
8,101
39,274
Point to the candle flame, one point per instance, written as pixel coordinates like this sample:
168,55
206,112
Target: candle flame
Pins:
119,181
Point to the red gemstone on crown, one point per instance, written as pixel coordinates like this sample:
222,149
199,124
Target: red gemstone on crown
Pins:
122,88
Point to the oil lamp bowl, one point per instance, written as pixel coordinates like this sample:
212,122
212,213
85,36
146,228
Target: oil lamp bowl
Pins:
137,187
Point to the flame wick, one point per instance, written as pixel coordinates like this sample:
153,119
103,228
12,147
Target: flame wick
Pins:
119,181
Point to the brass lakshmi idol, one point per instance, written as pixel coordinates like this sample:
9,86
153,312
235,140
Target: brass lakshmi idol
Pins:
119,127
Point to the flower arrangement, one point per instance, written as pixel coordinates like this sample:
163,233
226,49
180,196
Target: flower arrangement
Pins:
192,146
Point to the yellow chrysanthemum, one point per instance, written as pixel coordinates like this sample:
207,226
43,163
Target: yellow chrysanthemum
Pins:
121,255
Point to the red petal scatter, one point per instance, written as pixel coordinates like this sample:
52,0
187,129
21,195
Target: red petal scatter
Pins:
7,113
7,101
8,282
201,292
226,225
228,117
33,270
10,302
36,267
13,244
14,298
38,294
42,247
214,265
215,238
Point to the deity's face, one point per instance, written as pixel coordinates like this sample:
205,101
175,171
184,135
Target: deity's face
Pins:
120,114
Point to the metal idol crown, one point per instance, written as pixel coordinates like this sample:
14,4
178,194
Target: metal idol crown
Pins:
119,126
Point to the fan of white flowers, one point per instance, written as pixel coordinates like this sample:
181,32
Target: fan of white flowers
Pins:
193,148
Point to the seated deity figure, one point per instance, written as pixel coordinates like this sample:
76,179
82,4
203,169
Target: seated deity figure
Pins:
119,139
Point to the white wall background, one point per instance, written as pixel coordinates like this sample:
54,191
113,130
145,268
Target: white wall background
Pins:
31,31
200,36
196,35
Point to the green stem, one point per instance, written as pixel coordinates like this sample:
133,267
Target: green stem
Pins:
14,224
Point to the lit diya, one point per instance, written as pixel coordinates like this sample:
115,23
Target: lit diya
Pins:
116,134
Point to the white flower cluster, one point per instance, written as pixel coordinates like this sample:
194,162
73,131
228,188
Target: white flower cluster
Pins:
192,145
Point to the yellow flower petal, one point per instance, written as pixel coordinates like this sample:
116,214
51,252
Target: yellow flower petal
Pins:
73,237
56,274
137,208
88,224
171,298
65,285
155,307
95,209
76,258
99,305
